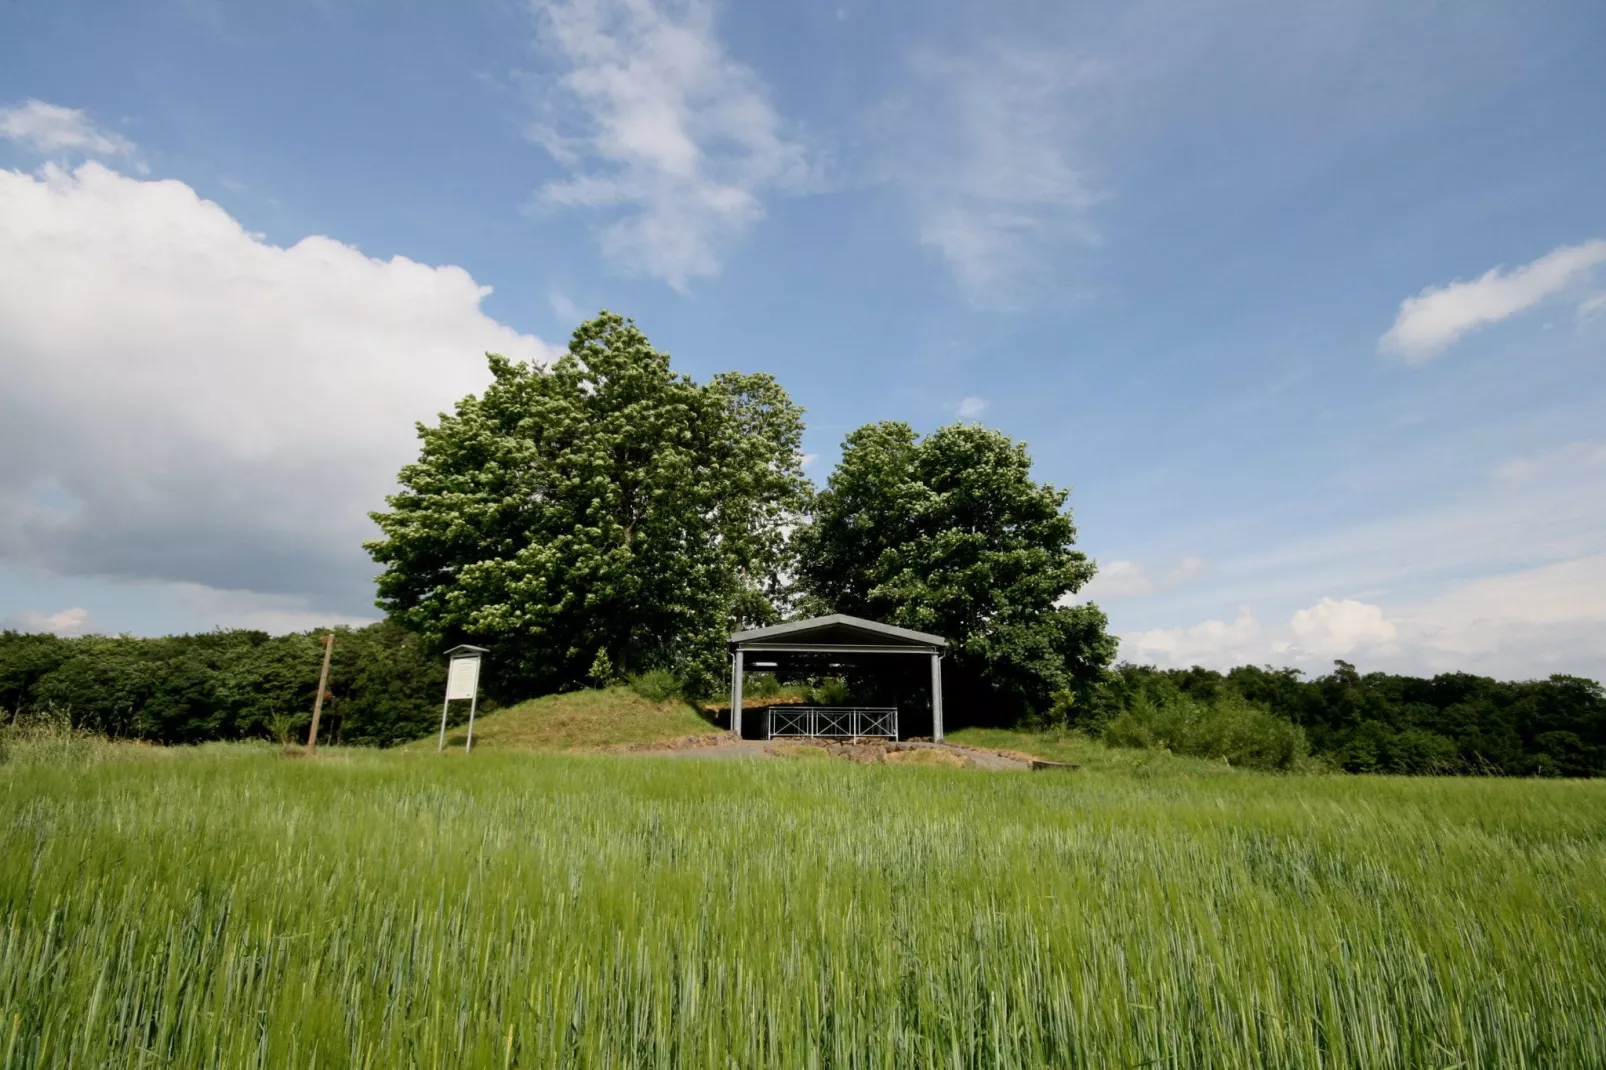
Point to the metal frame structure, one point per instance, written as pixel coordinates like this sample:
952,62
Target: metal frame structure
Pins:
833,722
837,634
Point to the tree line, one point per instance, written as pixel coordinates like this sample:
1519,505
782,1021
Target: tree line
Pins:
384,684
385,688
1452,723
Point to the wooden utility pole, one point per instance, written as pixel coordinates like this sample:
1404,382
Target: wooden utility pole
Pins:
323,685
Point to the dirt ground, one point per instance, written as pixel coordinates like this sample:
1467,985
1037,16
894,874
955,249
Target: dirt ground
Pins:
868,751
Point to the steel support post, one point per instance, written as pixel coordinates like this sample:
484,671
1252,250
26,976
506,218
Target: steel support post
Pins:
736,694
936,697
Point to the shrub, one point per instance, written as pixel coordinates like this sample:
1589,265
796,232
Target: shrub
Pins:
659,685
761,685
831,691
1227,727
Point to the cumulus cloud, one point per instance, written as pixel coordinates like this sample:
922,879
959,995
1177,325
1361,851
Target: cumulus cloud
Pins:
987,152
62,622
1129,579
1335,627
971,407
186,402
1439,315
655,122
1508,578
49,129
1213,643
1522,624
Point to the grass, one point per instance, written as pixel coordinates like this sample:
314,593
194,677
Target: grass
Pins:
374,909
580,720
1078,749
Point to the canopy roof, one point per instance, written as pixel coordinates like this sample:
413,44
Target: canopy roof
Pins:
838,633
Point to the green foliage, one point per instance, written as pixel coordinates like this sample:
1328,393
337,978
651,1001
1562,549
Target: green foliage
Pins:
1226,727
657,685
605,502
951,535
1381,723
601,673
830,691
231,908
224,685
761,685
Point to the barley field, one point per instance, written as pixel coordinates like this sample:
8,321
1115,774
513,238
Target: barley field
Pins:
229,907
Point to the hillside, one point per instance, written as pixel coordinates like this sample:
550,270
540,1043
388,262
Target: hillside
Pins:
580,720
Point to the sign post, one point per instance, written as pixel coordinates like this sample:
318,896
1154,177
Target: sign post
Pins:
462,682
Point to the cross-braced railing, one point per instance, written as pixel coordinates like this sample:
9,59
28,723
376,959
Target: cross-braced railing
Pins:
835,722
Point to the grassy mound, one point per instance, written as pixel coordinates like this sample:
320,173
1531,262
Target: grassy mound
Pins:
580,720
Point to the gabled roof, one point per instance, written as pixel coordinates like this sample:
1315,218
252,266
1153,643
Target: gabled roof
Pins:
837,630
464,650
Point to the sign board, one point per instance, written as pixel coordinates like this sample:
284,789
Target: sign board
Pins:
463,678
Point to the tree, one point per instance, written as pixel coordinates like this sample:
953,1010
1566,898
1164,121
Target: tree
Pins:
951,535
604,505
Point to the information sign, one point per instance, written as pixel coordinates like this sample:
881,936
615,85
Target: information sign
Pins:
463,678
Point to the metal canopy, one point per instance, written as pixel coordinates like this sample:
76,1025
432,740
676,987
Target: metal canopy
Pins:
837,634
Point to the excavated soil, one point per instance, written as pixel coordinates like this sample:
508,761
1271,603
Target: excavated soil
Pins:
864,751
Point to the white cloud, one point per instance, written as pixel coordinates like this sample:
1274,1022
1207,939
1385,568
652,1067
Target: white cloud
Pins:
565,308
1335,627
1439,315
1213,643
62,622
808,459
1331,628
659,123
1524,624
1129,579
1508,578
971,407
186,402
50,128
987,151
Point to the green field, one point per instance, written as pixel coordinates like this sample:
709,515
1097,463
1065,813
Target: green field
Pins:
230,907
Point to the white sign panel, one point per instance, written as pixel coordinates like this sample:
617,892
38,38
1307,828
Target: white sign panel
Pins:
463,678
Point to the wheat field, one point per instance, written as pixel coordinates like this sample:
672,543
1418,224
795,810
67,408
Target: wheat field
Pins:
229,907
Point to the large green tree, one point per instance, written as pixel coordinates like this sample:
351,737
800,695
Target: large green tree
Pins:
601,514
950,534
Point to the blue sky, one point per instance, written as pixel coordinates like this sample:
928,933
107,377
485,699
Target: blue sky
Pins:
1304,302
